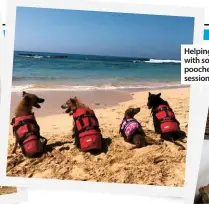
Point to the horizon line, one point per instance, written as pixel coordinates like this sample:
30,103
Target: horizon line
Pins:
94,55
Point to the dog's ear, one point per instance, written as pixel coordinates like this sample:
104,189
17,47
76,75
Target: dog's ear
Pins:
201,190
76,99
73,101
26,98
159,94
150,94
24,93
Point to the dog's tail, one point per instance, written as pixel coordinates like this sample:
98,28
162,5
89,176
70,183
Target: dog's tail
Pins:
136,146
179,144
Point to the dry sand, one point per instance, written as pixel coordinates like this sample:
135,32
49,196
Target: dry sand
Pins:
155,165
7,190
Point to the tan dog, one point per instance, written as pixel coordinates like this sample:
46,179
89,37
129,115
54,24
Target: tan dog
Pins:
86,131
25,128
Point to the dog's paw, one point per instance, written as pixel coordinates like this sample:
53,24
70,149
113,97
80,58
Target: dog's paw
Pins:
49,154
74,142
181,148
132,148
205,198
183,140
160,142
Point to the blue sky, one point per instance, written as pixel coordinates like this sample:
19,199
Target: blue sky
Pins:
101,33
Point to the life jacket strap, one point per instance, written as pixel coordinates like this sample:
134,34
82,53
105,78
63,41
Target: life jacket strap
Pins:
166,119
90,127
128,122
25,136
36,132
25,122
162,109
84,116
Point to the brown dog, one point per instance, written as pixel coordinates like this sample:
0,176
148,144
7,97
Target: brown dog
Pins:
203,195
132,132
25,128
86,131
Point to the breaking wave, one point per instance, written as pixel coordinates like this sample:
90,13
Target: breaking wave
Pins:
41,87
99,58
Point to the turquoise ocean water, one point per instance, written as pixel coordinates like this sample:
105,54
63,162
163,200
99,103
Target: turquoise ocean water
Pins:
51,71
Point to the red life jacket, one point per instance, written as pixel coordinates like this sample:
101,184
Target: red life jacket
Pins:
88,129
27,133
166,119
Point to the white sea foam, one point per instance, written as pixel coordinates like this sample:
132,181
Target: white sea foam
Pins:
38,57
162,61
35,87
22,87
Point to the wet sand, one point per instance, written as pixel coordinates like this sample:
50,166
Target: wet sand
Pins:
54,100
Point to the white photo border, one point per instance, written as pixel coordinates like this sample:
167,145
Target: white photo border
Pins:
201,104
203,174
1,53
20,195
197,13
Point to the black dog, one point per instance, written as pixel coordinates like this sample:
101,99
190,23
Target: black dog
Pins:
131,130
164,120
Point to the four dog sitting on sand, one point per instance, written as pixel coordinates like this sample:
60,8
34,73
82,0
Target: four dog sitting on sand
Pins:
86,132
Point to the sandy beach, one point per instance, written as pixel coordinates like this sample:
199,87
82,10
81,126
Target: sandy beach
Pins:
154,165
7,190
